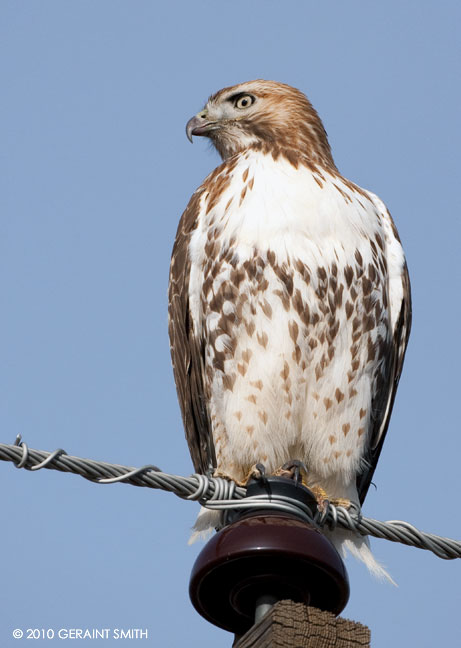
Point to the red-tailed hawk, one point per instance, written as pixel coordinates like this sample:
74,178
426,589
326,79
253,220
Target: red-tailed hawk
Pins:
289,300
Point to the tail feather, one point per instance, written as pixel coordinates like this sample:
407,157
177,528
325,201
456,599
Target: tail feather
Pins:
348,542
205,524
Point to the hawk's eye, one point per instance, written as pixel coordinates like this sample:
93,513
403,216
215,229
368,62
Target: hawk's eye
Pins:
244,101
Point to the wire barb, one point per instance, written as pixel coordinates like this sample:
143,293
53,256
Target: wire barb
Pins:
221,494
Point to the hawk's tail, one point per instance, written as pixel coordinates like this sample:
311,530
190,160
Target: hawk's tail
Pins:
358,545
205,524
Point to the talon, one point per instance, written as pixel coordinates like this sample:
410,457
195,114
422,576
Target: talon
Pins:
261,469
295,470
322,504
323,499
257,471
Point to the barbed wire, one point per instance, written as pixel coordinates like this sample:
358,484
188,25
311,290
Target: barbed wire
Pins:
220,494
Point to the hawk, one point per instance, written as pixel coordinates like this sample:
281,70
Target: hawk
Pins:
289,301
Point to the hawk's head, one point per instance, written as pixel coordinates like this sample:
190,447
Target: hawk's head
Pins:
266,114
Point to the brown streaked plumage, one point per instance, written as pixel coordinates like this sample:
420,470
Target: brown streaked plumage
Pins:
185,347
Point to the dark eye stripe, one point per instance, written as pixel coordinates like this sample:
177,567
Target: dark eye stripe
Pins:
235,97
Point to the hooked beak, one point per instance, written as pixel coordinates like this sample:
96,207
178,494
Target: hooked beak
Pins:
198,125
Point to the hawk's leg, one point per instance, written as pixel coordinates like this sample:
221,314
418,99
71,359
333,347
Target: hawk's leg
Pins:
223,475
257,472
323,499
295,470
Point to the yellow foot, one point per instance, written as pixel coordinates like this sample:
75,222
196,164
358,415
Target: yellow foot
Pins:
340,501
256,472
222,475
295,470
322,497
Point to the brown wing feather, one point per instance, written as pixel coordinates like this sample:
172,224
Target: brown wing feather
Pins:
186,350
386,396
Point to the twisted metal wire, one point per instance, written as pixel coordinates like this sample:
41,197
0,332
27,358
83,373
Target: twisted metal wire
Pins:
220,494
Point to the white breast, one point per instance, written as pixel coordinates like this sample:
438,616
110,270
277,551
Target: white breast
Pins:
268,296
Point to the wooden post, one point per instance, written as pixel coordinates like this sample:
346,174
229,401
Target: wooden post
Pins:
295,625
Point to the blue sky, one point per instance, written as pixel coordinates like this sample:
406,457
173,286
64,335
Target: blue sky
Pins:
96,170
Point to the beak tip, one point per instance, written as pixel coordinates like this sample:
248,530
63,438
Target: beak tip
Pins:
191,124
